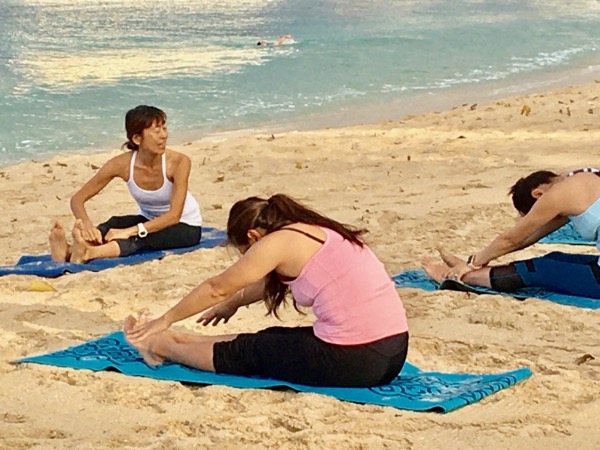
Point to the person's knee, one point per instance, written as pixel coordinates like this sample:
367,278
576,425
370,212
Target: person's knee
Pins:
506,278
129,246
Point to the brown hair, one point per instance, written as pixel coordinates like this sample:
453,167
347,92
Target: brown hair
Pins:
140,118
521,191
271,215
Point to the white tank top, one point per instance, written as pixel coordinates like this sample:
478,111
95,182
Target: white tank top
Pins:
155,203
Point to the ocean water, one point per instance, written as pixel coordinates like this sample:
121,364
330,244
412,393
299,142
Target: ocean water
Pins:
70,69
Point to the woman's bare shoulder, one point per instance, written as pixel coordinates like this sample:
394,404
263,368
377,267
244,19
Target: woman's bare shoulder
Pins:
174,157
118,164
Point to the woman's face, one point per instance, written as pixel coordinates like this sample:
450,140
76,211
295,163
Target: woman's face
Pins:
154,138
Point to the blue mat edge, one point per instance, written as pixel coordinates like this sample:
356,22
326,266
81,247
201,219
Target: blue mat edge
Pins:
429,285
30,264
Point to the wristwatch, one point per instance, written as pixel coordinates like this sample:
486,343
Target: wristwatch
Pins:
471,263
142,232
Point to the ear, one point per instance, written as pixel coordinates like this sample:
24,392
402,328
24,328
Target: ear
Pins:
540,190
137,139
253,236
537,193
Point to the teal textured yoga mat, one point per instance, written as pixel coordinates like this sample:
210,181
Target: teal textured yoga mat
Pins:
413,389
566,235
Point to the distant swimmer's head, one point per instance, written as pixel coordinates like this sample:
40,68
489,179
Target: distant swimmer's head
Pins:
262,43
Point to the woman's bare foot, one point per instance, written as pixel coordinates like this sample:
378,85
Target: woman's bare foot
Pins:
144,347
450,259
434,269
60,250
81,249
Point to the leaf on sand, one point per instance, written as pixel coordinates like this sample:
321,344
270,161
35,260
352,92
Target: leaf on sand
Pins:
40,286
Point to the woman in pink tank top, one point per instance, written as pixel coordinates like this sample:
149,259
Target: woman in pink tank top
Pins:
157,178
359,337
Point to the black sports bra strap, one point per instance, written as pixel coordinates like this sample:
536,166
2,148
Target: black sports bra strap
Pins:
585,170
314,238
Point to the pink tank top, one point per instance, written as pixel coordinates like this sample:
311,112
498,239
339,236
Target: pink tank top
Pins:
351,294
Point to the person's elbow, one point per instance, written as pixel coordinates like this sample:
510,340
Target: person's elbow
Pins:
174,216
510,242
76,201
219,290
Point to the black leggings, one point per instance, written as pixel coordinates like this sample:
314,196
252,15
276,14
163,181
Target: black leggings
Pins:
176,236
298,356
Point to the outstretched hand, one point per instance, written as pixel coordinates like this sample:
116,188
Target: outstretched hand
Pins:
458,271
143,329
91,234
117,233
222,311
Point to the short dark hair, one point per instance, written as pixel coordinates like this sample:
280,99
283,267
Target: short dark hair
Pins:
140,118
522,189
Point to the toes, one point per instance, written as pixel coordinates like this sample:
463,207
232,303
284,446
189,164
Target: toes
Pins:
129,323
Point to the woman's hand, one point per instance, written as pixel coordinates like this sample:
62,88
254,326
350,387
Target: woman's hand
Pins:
144,329
118,233
91,234
458,271
222,311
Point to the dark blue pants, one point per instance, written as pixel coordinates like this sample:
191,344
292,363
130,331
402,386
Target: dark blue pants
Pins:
564,273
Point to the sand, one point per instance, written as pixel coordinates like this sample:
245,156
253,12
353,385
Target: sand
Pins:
439,178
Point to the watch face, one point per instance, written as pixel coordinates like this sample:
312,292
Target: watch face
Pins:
142,232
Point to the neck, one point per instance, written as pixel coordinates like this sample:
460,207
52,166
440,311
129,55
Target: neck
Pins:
149,159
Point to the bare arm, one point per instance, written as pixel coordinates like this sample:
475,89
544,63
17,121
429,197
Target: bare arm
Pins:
544,230
261,259
223,311
546,215
112,169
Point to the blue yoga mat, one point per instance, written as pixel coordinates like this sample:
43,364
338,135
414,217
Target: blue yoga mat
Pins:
566,235
419,279
413,389
43,266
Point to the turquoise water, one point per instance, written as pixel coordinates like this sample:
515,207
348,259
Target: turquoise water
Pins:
70,69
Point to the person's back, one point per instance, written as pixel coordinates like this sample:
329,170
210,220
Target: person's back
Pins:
587,223
352,296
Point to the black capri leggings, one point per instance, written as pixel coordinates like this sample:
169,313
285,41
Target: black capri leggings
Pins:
176,236
298,356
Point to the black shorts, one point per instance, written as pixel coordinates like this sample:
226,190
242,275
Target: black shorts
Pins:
298,356
179,235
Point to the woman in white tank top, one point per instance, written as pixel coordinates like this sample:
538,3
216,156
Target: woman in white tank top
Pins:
157,178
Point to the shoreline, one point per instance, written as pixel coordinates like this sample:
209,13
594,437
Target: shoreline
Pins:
397,109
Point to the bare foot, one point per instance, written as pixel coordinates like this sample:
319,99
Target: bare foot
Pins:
145,346
434,269
81,249
450,259
59,247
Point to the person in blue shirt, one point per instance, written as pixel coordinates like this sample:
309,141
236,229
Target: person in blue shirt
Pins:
546,201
